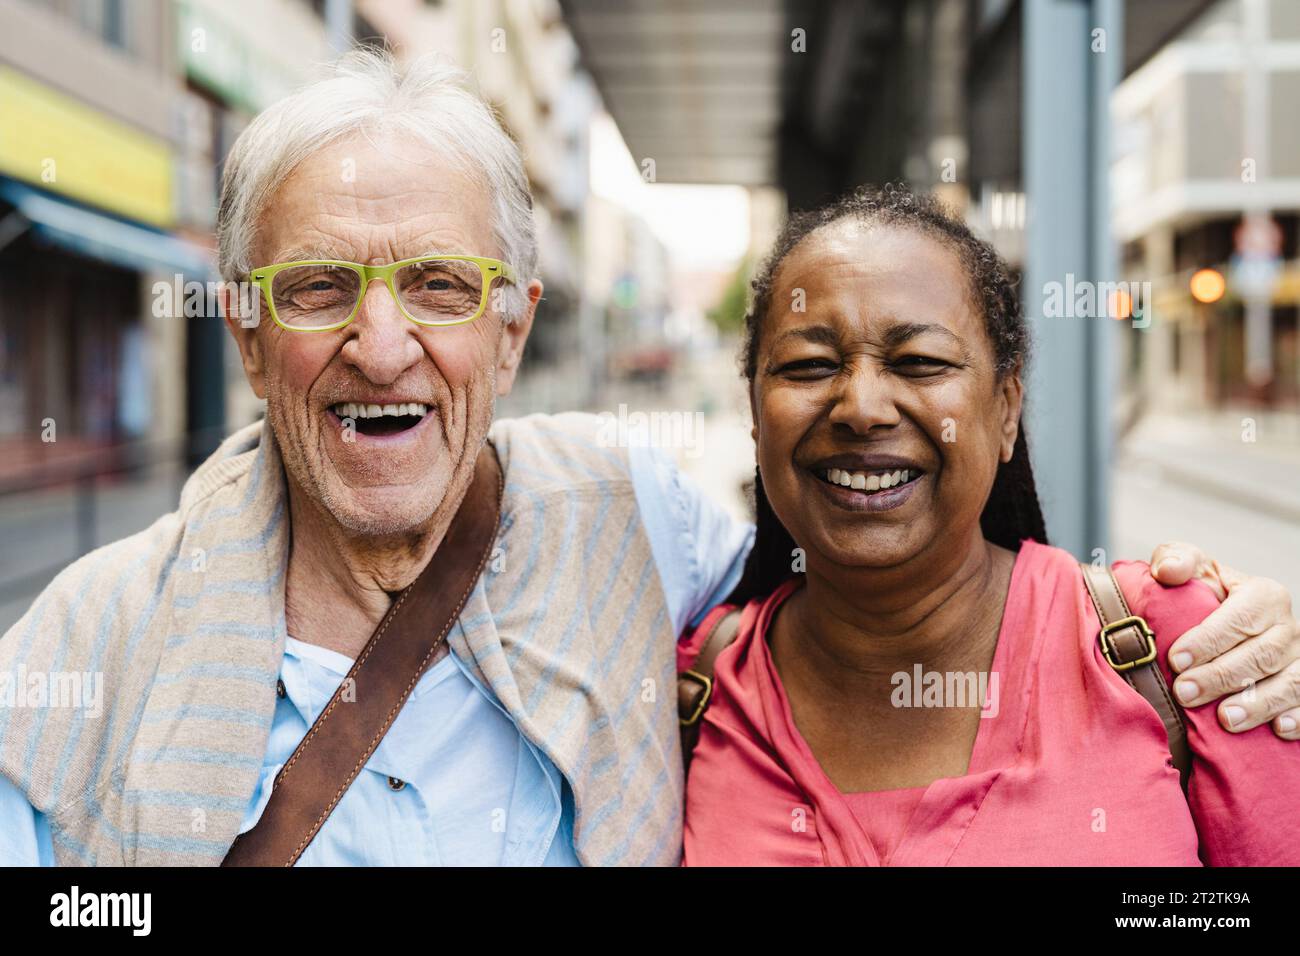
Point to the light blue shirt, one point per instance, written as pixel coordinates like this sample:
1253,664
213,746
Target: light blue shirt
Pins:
454,781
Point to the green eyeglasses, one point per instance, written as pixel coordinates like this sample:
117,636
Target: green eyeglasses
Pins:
321,295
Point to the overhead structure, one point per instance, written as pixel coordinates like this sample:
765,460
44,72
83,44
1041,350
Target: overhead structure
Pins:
696,88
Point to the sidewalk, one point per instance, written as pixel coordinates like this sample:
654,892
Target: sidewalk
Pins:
1208,453
41,533
1192,478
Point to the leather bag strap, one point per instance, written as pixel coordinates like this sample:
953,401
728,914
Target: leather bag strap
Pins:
336,748
1129,646
695,684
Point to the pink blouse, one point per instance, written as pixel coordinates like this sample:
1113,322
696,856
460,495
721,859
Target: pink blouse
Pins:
1070,765
883,816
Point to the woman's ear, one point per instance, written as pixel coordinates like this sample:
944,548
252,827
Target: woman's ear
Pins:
1012,390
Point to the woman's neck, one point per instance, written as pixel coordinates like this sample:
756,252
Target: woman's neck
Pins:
840,642
935,609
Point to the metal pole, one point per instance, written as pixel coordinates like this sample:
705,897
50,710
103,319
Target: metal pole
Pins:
1258,301
1069,71
338,24
1107,70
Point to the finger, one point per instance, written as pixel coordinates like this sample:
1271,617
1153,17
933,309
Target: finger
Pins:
1287,726
1175,562
1249,610
1236,669
1261,702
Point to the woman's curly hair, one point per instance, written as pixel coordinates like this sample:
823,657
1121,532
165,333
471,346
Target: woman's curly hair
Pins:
1012,512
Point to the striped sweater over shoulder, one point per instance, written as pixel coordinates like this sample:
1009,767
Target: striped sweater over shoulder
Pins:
183,626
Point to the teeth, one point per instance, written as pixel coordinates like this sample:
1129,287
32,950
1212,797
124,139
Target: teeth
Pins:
358,410
862,481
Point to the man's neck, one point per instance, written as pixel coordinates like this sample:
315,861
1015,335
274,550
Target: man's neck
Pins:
340,583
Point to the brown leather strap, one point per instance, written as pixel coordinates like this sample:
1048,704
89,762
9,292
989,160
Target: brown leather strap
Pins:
695,685
339,743
1130,647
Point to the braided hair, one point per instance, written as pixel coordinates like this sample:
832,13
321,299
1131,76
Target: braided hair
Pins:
1012,512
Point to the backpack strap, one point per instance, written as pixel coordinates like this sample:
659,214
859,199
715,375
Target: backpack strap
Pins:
1129,646
695,684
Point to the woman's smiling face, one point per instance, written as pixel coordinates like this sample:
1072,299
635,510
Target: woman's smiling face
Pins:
885,380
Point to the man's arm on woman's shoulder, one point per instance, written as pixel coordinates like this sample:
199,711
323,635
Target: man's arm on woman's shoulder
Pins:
1247,651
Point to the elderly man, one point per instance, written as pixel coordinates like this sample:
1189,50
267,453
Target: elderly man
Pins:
548,733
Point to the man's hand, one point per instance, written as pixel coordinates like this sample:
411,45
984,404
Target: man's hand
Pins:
1249,647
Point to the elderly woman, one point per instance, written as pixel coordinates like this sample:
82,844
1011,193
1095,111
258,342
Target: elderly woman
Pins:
384,216
926,555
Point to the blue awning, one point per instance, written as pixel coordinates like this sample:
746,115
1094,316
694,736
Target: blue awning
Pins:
103,237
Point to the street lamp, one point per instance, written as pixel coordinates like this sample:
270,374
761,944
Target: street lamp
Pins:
1208,285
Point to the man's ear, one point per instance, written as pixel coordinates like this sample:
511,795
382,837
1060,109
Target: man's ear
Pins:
242,319
514,336
1013,398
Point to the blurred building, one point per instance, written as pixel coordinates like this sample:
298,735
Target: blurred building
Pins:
1207,135
89,153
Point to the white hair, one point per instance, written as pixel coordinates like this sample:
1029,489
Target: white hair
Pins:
365,90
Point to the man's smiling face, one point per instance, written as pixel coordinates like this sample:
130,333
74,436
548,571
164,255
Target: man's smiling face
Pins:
377,198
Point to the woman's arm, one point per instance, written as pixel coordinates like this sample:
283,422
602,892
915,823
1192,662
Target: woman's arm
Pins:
1249,648
1244,788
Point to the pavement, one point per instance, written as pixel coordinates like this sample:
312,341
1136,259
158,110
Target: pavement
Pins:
1216,480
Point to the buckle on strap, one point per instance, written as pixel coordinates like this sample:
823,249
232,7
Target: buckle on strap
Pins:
706,684
1110,653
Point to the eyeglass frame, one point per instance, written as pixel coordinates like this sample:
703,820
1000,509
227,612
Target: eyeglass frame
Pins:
489,269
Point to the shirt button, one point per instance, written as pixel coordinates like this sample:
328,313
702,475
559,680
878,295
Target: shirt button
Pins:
394,784
279,689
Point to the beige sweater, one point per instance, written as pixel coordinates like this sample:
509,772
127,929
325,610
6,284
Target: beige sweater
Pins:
184,624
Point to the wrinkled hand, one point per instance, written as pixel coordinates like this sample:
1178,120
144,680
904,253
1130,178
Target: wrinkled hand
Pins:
1249,647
